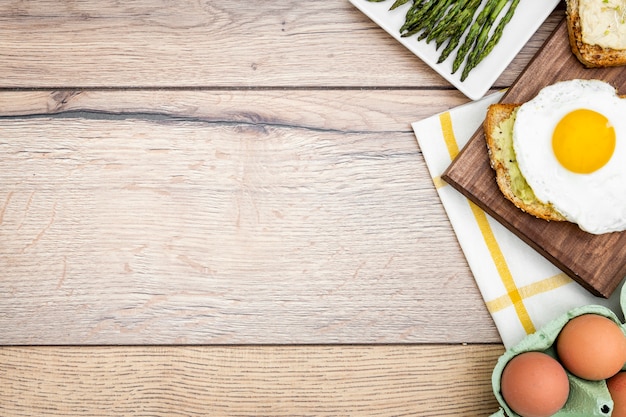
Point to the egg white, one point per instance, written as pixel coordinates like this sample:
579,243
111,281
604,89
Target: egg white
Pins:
595,201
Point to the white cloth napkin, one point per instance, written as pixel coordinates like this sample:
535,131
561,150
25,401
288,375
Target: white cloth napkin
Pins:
522,290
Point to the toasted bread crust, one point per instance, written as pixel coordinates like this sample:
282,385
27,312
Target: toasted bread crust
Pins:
591,56
496,114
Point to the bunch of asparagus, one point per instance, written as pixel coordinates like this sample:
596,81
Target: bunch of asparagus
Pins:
446,21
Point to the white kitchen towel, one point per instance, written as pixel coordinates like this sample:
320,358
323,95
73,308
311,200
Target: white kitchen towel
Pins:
522,290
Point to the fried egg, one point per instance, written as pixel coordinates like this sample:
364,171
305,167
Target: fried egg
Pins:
570,144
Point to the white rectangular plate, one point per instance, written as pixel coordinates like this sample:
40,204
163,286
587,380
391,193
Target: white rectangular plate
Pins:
529,15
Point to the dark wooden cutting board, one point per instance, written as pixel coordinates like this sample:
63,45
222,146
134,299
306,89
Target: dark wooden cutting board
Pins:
598,262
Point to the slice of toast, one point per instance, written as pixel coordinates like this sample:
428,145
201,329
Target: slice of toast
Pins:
498,128
591,56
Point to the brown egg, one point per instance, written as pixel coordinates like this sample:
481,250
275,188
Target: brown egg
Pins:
617,388
534,384
592,347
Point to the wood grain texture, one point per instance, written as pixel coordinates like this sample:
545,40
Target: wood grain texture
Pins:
199,43
142,217
598,262
383,380
215,174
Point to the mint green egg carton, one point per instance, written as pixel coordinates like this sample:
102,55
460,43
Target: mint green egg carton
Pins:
586,398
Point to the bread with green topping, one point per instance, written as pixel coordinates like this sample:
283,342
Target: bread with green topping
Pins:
498,128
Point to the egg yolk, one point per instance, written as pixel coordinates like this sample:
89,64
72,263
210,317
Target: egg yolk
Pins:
583,141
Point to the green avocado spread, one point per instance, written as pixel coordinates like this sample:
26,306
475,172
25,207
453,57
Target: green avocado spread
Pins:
506,153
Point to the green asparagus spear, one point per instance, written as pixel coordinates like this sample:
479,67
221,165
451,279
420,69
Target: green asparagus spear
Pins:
437,16
429,18
497,34
463,22
483,37
495,38
398,3
445,23
484,32
453,25
415,14
472,35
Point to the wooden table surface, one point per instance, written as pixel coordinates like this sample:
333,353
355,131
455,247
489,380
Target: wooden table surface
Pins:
220,208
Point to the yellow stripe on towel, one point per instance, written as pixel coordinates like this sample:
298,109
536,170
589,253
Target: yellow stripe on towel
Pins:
439,183
506,277
448,134
535,288
503,269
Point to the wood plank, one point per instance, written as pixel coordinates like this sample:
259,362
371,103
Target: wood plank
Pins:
158,43
350,111
598,262
143,217
387,380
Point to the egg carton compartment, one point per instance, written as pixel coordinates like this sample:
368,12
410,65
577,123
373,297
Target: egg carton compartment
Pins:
586,398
